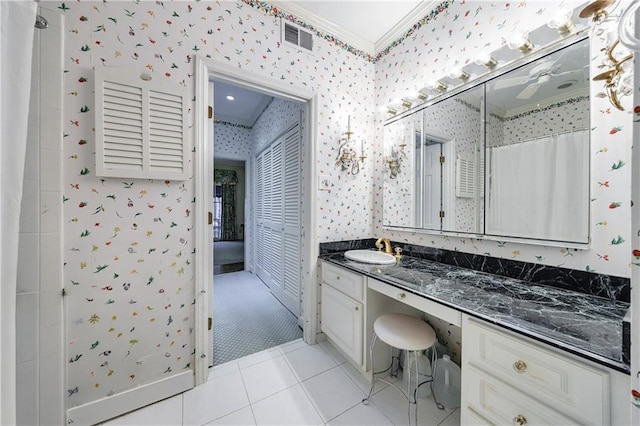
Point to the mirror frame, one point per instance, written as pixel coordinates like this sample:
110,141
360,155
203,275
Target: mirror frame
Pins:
581,35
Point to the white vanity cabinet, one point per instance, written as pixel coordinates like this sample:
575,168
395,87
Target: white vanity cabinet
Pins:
507,378
342,310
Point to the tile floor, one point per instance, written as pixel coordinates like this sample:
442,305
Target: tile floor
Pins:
292,384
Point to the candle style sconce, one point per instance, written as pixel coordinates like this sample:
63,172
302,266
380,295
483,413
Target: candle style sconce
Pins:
612,78
394,161
348,158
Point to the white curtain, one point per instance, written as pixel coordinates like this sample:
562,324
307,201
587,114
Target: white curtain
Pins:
540,189
16,43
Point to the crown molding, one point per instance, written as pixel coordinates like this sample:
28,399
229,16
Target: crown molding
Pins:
402,26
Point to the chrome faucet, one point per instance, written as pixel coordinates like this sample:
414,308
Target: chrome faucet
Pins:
387,245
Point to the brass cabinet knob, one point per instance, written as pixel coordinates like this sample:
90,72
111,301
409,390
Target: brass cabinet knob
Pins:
338,277
520,366
519,420
401,295
357,309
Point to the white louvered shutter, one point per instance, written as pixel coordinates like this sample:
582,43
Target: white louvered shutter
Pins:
141,126
292,157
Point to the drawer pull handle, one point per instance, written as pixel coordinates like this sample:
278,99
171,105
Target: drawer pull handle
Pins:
520,420
401,295
520,366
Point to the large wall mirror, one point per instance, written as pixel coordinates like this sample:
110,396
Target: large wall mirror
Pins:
507,158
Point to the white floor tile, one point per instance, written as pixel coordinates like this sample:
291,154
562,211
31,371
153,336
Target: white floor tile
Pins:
292,346
223,370
394,406
363,382
452,420
332,393
289,407
242,417
333,352
167,412
259,357
309,361
361,415
214,399
268,377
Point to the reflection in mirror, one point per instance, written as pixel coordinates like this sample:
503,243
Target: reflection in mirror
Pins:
537,149
440,184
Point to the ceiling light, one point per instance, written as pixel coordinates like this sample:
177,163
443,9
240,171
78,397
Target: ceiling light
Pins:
230,98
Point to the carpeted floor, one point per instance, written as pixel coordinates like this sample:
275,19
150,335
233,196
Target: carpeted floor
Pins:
247,318
225,252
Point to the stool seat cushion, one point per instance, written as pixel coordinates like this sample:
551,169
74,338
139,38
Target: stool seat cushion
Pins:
404,332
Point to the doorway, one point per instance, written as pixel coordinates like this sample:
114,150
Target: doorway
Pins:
248,313
229,197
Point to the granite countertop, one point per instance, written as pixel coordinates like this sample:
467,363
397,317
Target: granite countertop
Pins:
588,326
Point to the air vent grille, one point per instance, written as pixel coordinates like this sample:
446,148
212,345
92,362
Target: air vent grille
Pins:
296,36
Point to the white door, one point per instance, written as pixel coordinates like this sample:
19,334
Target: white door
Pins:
291,221
432,186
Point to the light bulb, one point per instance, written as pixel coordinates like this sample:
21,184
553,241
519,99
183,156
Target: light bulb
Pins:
436,85
485,58
562,21
459,73
520,41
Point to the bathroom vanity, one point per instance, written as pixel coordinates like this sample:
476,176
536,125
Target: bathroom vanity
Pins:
531,354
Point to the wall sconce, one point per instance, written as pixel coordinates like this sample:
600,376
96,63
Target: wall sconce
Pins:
460,74
437,86
596,10
394,161
606,26
487,60
562,22
521,42
347,156
612,78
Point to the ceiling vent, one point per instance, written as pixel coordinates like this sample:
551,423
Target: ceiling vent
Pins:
296,36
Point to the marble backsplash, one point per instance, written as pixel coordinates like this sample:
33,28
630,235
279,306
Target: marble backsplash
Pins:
607,286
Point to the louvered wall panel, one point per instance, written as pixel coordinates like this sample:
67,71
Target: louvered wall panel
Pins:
141,128
122,126
165,132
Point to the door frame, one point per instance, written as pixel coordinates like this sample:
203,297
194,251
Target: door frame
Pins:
206,71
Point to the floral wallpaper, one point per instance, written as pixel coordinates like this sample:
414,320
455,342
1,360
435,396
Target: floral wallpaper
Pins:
129,243
231,141
453,39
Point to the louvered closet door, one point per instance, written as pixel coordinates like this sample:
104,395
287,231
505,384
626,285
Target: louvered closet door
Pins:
291,192
264,244
278,218
259,214
274,223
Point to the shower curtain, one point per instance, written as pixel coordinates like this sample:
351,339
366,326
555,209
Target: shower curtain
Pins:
16,43
528,203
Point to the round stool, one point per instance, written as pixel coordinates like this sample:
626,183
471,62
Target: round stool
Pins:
404,333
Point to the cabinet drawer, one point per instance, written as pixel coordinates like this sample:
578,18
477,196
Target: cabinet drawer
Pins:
348,282
425,305
499,403
572,387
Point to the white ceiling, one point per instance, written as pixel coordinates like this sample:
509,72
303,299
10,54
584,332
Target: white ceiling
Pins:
368,25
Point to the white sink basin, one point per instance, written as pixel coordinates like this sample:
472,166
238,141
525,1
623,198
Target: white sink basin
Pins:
370,256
